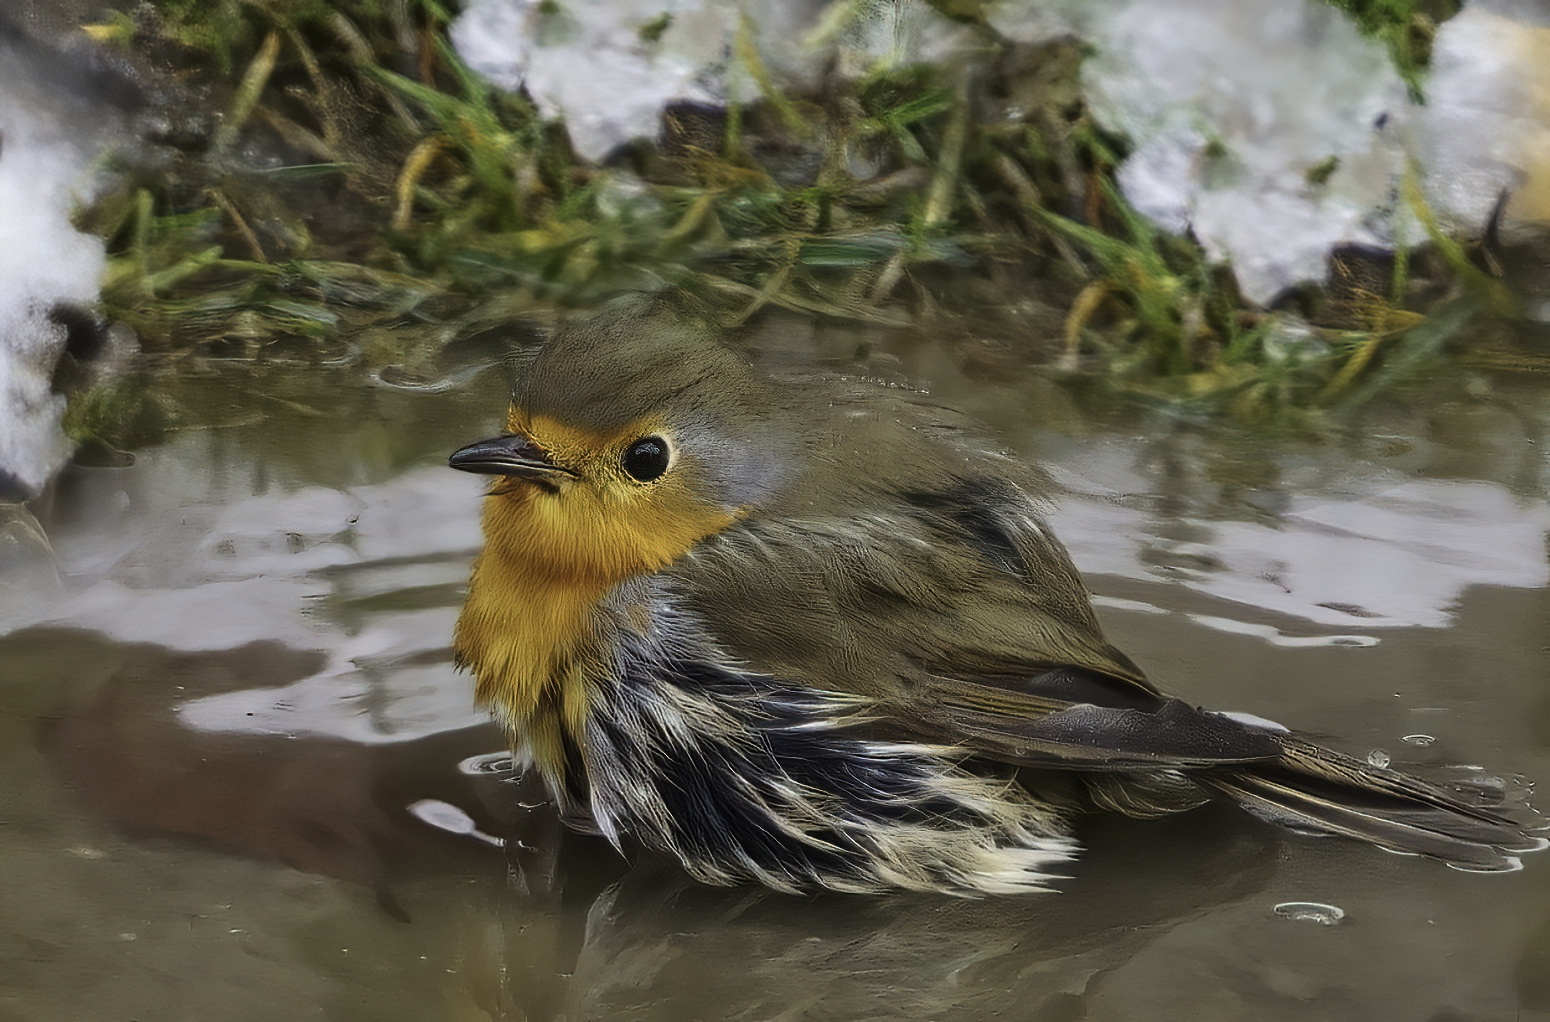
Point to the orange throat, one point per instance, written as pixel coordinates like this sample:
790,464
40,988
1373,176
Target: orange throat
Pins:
529,629
525,638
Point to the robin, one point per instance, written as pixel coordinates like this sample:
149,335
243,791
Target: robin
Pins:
812,632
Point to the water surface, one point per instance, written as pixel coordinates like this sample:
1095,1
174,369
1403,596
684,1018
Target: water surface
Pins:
243,780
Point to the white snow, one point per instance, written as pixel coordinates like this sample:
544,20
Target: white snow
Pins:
45,158
1229,103
592,63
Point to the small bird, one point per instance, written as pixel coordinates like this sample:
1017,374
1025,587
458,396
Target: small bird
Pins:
811,632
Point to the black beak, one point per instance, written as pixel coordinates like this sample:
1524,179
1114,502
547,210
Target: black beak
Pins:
507,455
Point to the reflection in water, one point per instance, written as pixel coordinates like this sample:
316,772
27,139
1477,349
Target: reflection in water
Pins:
563,927
1311,912
326,805
655,946
1372,553
581,933
231,730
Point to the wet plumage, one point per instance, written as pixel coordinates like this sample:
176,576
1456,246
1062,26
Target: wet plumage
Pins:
812,632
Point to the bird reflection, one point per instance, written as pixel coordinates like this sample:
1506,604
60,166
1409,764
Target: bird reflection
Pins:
653,944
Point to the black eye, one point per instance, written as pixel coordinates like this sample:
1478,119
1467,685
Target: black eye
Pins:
647,458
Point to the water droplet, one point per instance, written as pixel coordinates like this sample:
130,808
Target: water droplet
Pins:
489,763
1310,912
448,817
1418,739
1378,758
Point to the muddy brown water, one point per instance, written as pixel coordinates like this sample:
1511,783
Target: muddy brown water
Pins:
243,781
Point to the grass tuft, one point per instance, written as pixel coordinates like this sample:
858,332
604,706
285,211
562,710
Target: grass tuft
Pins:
360,191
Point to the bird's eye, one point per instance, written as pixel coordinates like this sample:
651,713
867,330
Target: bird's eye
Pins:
647,458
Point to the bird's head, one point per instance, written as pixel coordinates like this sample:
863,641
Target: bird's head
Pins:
629,440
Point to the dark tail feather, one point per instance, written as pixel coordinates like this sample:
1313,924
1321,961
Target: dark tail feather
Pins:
1314,788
